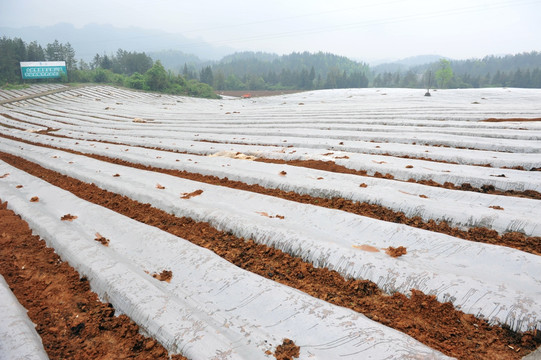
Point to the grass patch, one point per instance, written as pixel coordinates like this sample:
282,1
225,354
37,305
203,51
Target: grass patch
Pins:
8,86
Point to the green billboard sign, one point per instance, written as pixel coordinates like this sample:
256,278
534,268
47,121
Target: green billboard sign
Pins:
43,69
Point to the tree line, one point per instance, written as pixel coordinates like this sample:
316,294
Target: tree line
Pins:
306,71
520,70
13,51
518,78
298,71
131,69
264,71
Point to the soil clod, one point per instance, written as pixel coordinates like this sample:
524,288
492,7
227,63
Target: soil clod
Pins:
192,194
396,252
101,239
287,350
165,275
68,217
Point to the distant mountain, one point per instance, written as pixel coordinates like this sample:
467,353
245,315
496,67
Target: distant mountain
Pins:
407,63
175,59
249,55
98,39
420,60
261,64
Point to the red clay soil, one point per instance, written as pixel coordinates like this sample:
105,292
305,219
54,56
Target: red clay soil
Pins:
333,167
192,194
165,275
291,162
512,239
317,164
287,350
396,252
330,166
72,322
437,325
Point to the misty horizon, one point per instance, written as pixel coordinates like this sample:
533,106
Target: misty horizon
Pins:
137,39
361,30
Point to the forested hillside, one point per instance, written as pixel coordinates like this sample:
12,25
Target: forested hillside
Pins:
265,71
131,69
520,70
256,71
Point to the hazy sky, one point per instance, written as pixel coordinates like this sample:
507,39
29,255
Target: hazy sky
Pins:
360,29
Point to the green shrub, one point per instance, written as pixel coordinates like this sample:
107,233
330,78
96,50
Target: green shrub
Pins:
176,89
136,81
118,79
81,76
156,78
195,88
102,76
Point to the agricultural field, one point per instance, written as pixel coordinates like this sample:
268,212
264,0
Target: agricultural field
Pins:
29,91
332,224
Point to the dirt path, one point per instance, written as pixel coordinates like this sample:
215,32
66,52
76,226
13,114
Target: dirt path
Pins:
437,325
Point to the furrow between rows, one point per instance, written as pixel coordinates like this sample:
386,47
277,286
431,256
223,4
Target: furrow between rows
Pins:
398,311
329,238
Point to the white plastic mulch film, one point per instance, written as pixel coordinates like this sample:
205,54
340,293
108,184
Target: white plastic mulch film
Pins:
211,308
234,314
18,336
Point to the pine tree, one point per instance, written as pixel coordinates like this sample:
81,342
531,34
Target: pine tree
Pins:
206,76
